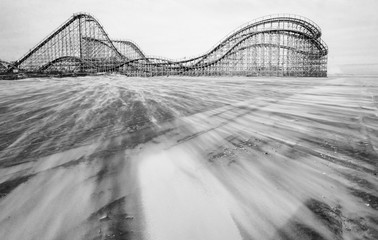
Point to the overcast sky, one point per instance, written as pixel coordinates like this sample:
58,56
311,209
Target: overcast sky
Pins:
184,28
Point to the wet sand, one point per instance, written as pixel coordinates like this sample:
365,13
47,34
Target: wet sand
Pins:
112,157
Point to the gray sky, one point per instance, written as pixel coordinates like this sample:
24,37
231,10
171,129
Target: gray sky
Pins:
184,28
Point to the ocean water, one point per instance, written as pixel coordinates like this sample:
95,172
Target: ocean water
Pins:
114,157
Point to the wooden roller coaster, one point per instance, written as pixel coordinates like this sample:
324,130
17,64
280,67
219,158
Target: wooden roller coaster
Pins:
279,45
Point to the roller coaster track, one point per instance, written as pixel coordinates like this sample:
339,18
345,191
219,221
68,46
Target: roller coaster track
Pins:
3,66
124,45
280,45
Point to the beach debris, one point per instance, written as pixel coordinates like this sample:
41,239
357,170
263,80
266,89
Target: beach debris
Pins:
104,217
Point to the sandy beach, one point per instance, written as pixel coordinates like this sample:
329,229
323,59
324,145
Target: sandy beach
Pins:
167,158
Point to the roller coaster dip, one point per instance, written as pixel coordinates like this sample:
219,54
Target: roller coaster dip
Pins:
280,45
